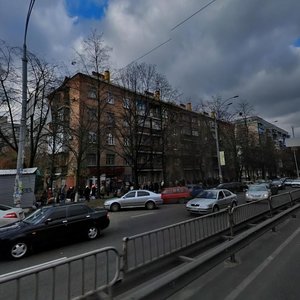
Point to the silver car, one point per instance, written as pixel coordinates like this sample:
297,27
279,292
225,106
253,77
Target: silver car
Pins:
10,214
257,192
134,198
211,201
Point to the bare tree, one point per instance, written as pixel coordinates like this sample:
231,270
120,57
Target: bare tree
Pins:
94,60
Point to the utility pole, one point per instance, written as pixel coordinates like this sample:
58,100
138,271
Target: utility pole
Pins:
18,189
295,157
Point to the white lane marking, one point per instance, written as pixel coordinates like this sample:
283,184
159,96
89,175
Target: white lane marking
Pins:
235,293
146,214
33,267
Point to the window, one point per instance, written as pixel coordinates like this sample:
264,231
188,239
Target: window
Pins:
141,106
110,139
92,137
58,214
77,210
110,98
126,103
92,93
142,194
110,119
92,114
130,195
195,133
227,193
91,159
110,159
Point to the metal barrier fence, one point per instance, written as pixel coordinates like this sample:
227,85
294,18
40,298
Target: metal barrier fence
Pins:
65,279
244,212
280,200
142,249
295,195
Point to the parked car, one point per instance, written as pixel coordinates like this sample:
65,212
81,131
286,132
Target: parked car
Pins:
279,183
50,225
288,181
211,201
177,194
233,186
134,198
10,214
268,184
194,189
258,192
296,183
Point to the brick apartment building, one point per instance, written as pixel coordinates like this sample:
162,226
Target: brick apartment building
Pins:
101,130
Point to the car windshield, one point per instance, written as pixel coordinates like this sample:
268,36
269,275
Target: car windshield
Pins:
208,195
37,216
259,188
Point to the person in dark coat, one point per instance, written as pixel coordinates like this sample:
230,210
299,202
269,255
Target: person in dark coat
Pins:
87,192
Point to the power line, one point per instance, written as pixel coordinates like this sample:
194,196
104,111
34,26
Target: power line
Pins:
176,26
195,13
155,48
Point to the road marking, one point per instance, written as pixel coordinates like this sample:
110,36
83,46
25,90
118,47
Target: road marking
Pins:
236,292
146,214
33,267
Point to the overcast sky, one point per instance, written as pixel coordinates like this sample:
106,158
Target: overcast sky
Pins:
249,48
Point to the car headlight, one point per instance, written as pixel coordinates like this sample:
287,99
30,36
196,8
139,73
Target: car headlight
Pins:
266,195
247,195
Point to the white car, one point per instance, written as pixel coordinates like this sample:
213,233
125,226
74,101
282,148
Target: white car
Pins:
257,192
211,201
134,198
296,183
10,214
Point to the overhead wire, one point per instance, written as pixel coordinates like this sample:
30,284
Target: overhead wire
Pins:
173,28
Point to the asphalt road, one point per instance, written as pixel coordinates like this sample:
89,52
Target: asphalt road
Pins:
122,224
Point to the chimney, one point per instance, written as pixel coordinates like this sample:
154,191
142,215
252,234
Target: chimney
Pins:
107,76
157,94
98,75
189,106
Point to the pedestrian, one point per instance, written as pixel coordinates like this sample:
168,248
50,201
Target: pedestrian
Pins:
87,192
63,192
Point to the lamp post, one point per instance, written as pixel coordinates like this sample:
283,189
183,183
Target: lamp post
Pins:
217,136
294,152
20,159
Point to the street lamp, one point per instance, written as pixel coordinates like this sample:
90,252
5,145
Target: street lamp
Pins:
217,136
20,160
294,152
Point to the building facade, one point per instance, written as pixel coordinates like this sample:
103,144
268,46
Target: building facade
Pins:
102,132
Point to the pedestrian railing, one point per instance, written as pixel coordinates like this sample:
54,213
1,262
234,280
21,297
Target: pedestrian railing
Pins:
247,211
142,249
71,278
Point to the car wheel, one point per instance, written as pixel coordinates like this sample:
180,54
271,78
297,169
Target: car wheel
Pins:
215,208
18,249
150,205
115,207
93,232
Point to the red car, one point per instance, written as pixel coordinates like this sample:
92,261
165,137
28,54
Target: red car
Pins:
177,194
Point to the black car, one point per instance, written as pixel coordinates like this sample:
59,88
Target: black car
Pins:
234,187
51,224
